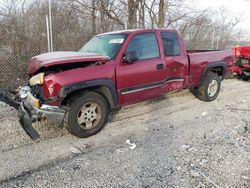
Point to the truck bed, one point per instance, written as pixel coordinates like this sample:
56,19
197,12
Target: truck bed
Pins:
200,59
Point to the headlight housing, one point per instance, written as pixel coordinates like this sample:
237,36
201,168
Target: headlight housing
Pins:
37,79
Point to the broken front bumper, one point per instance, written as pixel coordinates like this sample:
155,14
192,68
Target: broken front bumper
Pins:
28,114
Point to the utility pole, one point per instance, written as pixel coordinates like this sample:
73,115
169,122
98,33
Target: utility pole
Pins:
239,37
212,44
48,36
50,26
217,46
49,30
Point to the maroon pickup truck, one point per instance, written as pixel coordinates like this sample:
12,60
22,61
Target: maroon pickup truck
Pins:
112,70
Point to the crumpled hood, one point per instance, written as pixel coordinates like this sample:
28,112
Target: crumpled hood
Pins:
55,58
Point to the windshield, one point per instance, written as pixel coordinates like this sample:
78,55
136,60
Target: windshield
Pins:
108,45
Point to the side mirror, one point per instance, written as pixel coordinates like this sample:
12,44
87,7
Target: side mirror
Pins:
130,57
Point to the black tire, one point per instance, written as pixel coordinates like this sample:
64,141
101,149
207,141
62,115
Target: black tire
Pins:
203,92
76,106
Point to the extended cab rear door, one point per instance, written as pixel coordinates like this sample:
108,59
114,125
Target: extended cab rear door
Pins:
176,60
144,78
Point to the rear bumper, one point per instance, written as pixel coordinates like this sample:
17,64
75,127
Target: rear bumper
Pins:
28,114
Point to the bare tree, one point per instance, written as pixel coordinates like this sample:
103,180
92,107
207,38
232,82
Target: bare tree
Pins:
133,6
142,13
161,15
93,16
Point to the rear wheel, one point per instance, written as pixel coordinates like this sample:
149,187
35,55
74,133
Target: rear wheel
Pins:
87,115
209,88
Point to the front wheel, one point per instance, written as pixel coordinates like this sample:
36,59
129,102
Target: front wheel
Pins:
209,88
88,114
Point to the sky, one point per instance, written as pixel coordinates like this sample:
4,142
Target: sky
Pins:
240,7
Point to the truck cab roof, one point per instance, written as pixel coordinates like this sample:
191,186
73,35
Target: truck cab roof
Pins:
136,31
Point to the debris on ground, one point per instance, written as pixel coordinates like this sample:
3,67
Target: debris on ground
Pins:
9,98
204,114
121,150
131,145
75,150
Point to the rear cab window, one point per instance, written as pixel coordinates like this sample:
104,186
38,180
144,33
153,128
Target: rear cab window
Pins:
171,43
145,45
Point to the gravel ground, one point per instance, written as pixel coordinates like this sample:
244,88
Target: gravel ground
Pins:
180,142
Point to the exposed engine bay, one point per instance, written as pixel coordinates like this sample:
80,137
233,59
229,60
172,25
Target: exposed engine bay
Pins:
13,97
65,67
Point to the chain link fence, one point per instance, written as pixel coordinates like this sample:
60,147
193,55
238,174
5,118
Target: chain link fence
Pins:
18,44
19,48
23,34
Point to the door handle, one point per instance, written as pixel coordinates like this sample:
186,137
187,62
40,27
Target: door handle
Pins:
159,66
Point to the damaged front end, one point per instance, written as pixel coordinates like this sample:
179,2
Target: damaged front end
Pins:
40,99
31,111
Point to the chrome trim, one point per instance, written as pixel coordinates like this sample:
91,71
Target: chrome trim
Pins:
151,87
51,113
174,80
141,89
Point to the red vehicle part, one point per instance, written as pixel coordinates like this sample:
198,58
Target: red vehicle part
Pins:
243,51
242,64
237,70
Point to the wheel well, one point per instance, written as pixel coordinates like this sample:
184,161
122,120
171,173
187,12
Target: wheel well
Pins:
102,90
220,70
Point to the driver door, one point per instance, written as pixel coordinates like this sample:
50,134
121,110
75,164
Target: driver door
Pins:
144,77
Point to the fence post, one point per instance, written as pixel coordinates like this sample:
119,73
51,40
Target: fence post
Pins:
48,36
50,26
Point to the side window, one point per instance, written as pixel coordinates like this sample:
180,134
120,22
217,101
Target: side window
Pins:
145,45
171,44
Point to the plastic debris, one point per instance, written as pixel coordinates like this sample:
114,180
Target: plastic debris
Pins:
131,145
121,150
186,147
204,114
75,150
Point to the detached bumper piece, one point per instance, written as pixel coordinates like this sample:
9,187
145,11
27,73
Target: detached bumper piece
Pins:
9,98
28,114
